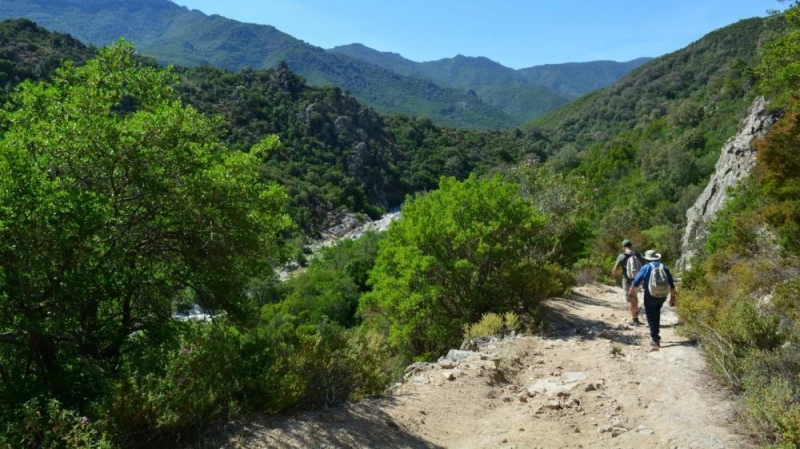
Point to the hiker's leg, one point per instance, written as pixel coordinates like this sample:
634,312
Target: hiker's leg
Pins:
652,308
633,302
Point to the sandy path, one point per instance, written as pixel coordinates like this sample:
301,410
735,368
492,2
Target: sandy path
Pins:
592,382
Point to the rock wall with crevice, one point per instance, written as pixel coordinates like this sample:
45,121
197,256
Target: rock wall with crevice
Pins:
735,163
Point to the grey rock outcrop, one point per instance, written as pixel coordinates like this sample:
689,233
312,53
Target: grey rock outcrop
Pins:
347,225
737,159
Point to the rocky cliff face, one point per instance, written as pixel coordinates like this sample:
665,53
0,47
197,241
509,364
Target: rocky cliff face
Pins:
734,164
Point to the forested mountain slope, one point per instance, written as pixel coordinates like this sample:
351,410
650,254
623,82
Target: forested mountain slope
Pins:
524,93
569,80
334,152
504,88
679,107
579,78
708,72
457,92
176,35
649,142
27,52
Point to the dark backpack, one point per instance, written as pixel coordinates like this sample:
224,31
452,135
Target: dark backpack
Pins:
658,284
632,265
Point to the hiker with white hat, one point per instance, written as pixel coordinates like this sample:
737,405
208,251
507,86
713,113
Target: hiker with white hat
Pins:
658,283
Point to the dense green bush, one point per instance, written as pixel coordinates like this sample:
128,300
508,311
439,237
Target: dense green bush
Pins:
115,199
180,386
45,423
329,289
492,324
463,250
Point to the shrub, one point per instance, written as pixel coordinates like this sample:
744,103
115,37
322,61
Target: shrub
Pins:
492,324
181,386
46,423
114,198
592,269
335,365
771,390
459,252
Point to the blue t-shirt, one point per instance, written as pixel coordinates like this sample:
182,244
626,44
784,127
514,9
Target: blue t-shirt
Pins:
644,275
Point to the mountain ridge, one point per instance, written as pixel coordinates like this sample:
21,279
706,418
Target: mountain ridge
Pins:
178,35
526,93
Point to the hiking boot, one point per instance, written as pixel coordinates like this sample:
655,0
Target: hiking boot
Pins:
634,322
655,344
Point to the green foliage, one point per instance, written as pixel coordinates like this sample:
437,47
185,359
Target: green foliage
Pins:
48,424
492,324
738,227
779,70
29,52
664,239
334,365
649,142
180,386
117,203
215,371
566,203
770,395
459,252
114,200
750,253
329,290
780,181
335,153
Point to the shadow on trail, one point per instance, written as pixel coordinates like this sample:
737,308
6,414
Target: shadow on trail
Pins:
358,425
566,322
686,343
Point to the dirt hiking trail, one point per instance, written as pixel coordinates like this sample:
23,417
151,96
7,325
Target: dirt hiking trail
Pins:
592,382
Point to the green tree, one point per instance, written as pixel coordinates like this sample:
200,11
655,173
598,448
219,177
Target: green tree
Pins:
779,69
565,201
114,200
463,250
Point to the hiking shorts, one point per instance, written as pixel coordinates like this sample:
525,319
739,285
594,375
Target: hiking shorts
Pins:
626,285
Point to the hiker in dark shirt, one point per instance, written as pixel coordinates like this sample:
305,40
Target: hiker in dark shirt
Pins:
653,304
622,261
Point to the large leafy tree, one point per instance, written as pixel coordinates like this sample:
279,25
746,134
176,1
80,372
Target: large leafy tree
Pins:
463,250
115,199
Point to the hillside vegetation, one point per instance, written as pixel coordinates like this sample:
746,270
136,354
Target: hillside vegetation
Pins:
744,293
176,35
130,192
648,144
334,152
522,94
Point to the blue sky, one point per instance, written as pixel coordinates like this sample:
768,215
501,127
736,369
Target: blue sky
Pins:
515,33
